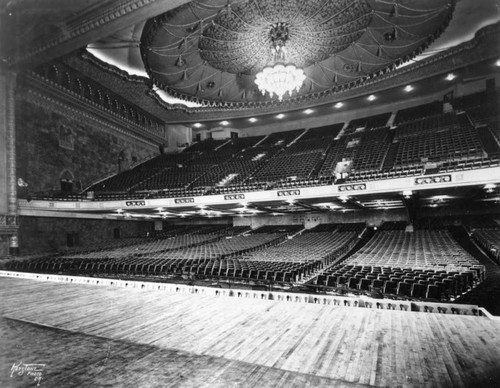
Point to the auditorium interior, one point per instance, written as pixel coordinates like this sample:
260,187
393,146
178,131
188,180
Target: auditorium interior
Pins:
250,193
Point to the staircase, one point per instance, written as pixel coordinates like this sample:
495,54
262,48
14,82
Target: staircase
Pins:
297,138
365,236
226,180
390,157
317,168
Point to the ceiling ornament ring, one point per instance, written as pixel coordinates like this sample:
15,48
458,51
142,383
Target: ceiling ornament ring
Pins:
208,51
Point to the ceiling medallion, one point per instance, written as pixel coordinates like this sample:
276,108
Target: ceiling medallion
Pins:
210,51
281,77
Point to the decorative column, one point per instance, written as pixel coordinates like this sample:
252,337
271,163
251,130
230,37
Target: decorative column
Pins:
8,179
11,161
10,113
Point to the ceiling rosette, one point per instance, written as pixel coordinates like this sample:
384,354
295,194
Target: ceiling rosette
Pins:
209,51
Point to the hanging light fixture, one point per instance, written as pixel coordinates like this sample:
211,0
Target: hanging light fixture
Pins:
281,77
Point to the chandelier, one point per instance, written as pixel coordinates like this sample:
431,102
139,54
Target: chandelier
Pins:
281,77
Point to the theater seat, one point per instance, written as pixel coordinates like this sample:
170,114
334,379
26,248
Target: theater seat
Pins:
353,283
365,284
404,289
331,281
390,287
376,283
418,291
321,280
433,292
341,280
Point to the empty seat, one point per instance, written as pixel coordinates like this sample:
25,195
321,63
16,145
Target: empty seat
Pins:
404,289
418,291
449,285
390,287
321,280
365,284
353,283
376,283
433,292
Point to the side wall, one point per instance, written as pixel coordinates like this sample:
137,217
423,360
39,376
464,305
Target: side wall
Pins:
51,146
54,143
41,234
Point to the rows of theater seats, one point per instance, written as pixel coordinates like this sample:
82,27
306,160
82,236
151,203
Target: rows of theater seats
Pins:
268,253
126,244
370,122
250,270
465,137
444,141
489,240
420,249
425,264
366,150
309,246
181,245
149,248
159,245
418,112
434,284
159,258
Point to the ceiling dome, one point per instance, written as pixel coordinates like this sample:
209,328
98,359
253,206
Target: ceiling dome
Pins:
210,51
240,40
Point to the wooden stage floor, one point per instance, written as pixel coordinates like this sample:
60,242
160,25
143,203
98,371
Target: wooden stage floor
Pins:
93,336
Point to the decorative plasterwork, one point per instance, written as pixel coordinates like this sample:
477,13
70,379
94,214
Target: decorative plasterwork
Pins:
9,224
52,96
77,84
84,54
484,46
239,41
208,51
85,23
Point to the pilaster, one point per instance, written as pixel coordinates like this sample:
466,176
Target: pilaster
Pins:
8,176
10,115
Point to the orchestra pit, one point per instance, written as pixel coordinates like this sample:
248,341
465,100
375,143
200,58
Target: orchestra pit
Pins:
249,193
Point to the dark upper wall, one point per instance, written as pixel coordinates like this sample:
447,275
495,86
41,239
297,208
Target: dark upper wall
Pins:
51,146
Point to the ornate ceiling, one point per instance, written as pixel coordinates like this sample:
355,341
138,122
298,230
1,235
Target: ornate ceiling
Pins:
239,40
209,51
204,53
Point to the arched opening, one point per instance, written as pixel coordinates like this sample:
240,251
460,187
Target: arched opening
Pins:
66,179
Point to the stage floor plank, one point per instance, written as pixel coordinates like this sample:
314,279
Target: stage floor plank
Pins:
206,341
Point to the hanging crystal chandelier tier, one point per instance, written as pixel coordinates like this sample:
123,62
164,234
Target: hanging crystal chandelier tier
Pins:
281,77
